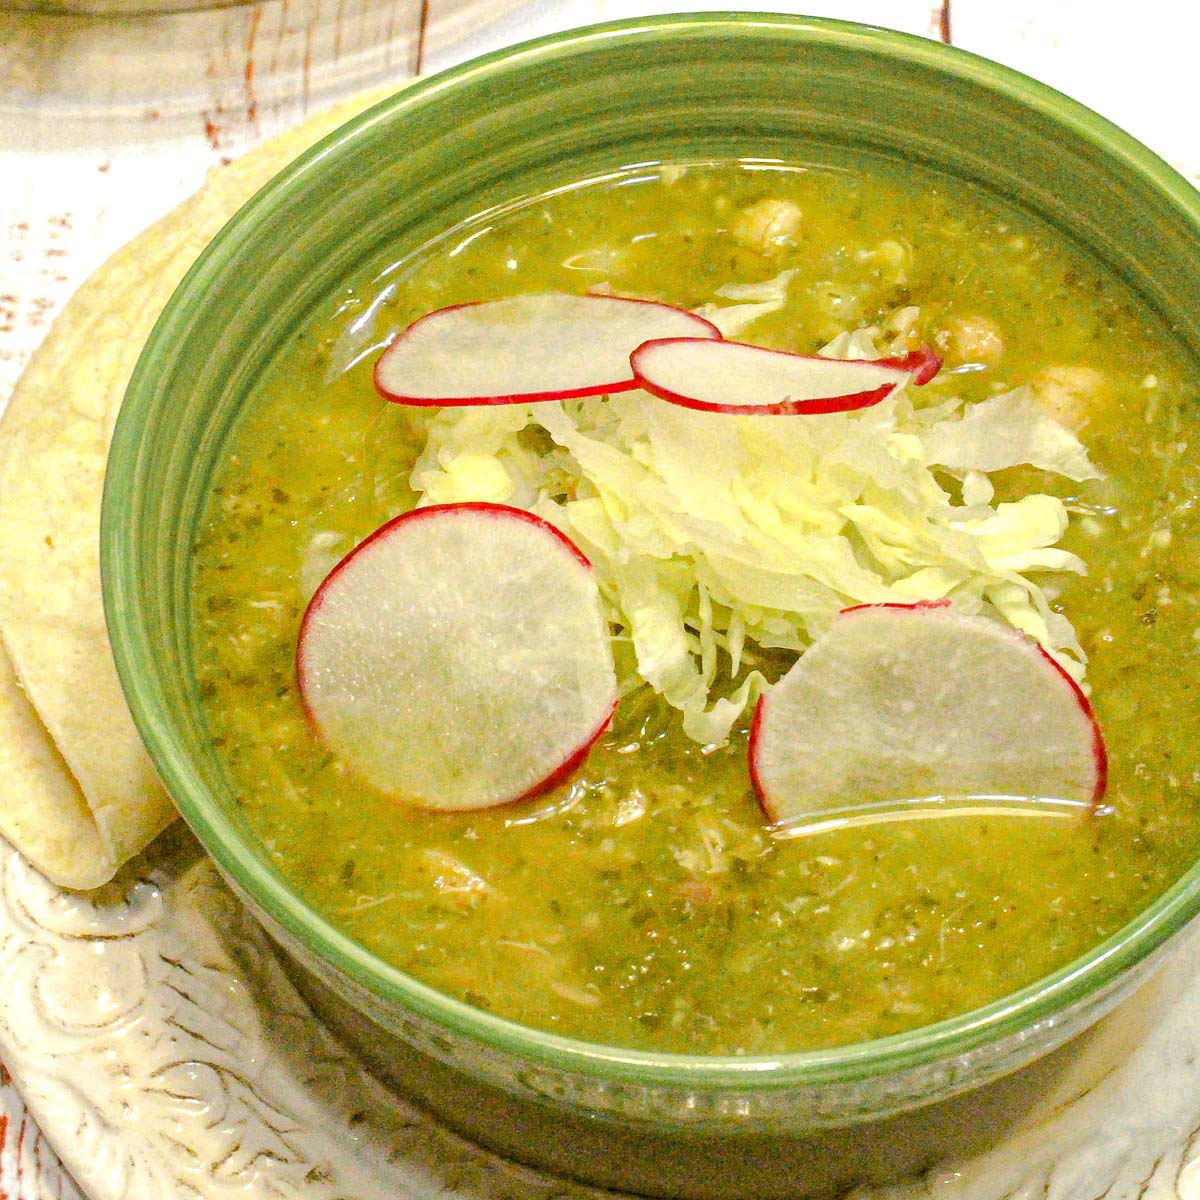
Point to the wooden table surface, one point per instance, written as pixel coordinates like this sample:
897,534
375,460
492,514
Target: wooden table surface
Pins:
107,121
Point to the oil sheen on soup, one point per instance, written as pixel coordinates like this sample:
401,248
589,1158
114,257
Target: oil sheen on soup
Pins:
646,902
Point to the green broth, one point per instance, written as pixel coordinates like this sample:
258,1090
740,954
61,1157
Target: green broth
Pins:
645,902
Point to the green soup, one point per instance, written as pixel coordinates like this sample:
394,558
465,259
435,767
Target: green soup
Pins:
646,902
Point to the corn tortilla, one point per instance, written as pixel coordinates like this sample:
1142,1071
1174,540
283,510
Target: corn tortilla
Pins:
78,794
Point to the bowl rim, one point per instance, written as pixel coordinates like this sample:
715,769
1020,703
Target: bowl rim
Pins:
1043,1002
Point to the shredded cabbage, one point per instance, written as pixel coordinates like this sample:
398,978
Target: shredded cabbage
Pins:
718,537
753,300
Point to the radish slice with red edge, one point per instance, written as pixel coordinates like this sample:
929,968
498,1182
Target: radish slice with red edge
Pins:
548,346
459,657
902,702
738,378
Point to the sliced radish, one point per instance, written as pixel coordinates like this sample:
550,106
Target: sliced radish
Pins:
459,658
901,702
549,346
735,377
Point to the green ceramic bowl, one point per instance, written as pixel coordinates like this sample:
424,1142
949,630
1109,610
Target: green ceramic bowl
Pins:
519,122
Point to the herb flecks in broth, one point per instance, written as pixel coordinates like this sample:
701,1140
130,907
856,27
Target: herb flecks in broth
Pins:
644,902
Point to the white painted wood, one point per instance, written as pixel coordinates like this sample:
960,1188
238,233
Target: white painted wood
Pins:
541,17
105,125
1132,63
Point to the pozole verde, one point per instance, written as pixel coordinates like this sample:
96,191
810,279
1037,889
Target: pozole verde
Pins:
646,901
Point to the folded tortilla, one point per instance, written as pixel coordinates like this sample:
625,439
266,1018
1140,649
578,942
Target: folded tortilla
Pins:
78,793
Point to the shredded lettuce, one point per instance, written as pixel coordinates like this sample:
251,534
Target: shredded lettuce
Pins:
718,539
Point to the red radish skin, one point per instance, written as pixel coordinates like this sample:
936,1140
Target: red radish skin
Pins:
570,765
1099,750
526,349
703,375
756,782
922,363
813,752
427,688
904,606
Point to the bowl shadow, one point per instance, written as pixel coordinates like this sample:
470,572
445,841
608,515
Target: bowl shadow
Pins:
820,1165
